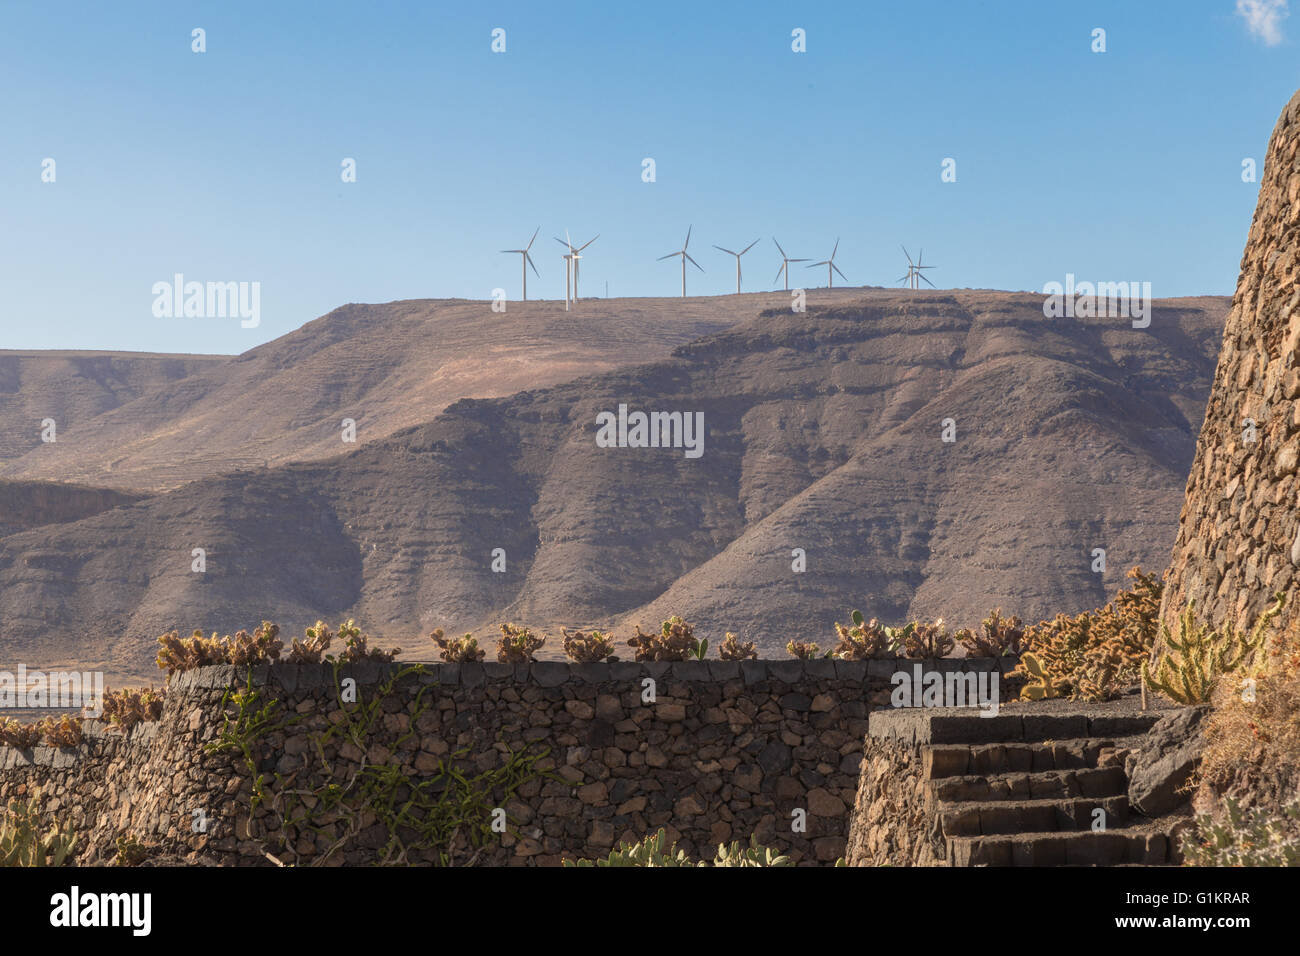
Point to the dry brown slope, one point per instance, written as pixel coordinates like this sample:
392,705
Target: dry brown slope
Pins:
822,434
388,367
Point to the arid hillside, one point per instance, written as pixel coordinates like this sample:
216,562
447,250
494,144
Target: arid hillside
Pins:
149,423
823,432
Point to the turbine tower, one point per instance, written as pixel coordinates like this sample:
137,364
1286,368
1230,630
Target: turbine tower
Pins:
785,265
914,273
830,264
527,260
738,255
685,255
571,262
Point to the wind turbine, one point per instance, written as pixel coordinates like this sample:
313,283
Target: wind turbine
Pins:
830,264
785,265
738,255
685,255
914,272
527,261
571,264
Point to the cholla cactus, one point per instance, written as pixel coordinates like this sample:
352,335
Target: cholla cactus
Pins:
263,644
732,650
928,641
517,645
805,650
675,642
1195,660
456,650
590,647
126,708
997,636
177,655
356,646
19,735
312,650
62,731
863,641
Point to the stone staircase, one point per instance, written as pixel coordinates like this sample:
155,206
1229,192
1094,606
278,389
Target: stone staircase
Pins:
1025,788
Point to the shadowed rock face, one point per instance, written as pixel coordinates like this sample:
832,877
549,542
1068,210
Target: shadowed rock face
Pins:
822,433
1237,541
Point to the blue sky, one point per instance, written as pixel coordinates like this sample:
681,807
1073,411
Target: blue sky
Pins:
225,165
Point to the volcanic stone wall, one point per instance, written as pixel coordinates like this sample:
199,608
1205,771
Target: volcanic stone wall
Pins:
1239,532
725,750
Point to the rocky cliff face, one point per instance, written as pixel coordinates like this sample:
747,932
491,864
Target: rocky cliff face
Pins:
1239,532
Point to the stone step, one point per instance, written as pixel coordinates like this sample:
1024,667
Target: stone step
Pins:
965,726
1083,782
959,760
979,818
1114,847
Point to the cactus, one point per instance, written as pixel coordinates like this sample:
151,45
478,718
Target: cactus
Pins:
1195,660
675,642
732,650
864,641
1041,686
926,641
805,650
126,708
457,649
998,636
356,648
517,645
657,852
588,648
314,647
22,842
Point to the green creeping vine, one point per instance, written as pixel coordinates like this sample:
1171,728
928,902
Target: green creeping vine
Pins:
447,811
248,726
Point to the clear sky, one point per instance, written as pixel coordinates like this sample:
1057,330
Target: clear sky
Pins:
225,165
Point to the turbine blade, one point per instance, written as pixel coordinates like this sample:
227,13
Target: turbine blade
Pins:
748,247
589,242
837,247
904,278
816,264
688,238
534,239
562,242
798,260
909,258
529,260
669,256
778,273
837,269
727,251
693,262
928,282
778,246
